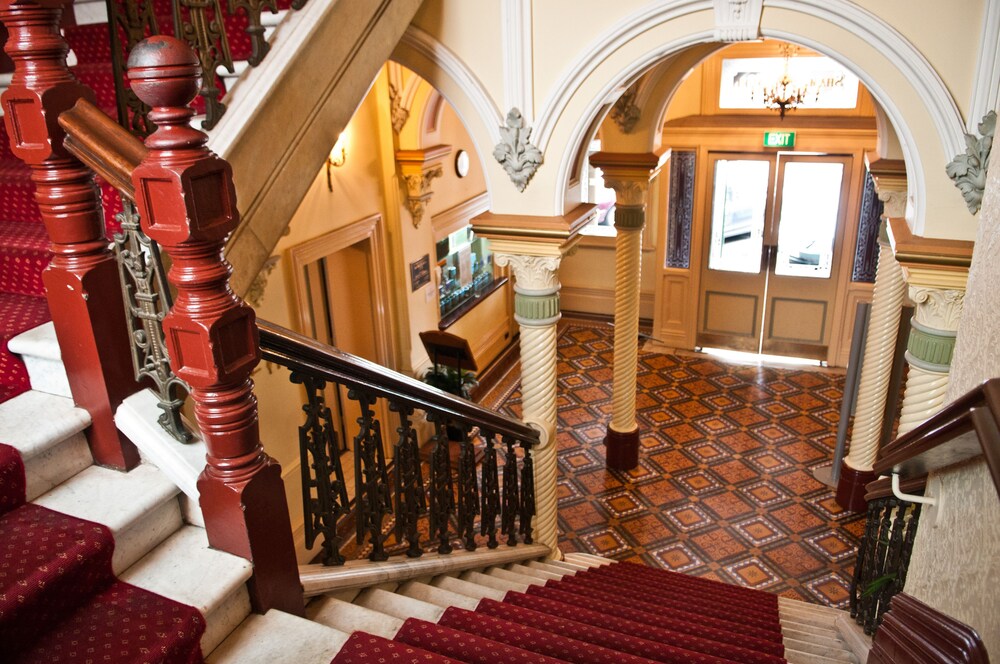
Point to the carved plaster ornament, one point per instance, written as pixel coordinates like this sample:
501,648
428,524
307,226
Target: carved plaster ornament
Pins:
969,170
894,202
533,273
936,308
514,151
418,191
397,112
737,20
625,113
255,294
627,191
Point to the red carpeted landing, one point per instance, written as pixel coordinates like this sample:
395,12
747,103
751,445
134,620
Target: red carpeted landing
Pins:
60,601
621,613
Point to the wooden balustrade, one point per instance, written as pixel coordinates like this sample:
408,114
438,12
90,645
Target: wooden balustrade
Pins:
82,279
187,203
474,496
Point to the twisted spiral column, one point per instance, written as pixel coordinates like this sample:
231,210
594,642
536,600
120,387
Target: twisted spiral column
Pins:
628,175
536,310
928,352
883,326
628,253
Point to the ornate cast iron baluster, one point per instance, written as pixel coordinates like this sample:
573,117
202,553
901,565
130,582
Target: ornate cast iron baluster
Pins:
147,301
253,10
861,564
468,489
371,478
409,499
879,568
511,494
135,20
442,503
490,498
527,494
200,24
322,473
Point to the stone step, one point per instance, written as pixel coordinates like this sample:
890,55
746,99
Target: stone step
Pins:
139,507
507,575
493,581
796,657
47,430
400,606
837,652
186,570
554,567
539,574
42,357
348,617
438,596
587,560
473,590
279,637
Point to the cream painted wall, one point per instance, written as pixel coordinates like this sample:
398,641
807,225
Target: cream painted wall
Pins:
601,60
588,278
954,566
357,194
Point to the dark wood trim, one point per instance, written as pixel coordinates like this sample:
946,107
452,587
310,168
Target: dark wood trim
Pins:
915,633
470,304
964,429
300,353
103,145
882,488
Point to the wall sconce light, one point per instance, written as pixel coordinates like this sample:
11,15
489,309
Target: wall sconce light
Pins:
336,158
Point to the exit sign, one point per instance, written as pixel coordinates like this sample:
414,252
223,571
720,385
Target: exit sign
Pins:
779,139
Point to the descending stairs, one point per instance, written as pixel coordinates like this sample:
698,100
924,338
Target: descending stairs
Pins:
582,609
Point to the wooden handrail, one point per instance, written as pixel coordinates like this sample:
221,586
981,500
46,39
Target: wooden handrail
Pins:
964,429
300,353
882,488
103,145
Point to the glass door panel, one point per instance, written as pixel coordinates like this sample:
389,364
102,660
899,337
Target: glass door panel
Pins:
809,212
739,206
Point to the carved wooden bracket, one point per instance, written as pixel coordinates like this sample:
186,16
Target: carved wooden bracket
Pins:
417,168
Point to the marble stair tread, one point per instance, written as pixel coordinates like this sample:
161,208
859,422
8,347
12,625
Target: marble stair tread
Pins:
507,575
468,589
839,652
439,596
809,606
139,507
185,569
490,581
812,637
790,625
542,575
853,635
587,560
555,567
400,606
34,422
348,617
800,615
279,637
42,357
38,342
796,657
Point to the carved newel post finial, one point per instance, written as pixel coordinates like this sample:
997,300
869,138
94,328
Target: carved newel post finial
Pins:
187,202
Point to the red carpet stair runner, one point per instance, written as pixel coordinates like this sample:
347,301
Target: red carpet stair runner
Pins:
60,601
23,242
620,613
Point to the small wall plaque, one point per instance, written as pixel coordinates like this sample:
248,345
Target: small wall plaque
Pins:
420,272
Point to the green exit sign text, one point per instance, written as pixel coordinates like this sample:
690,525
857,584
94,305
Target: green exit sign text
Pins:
779,139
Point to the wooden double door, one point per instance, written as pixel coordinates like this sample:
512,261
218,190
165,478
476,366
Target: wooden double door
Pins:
771,252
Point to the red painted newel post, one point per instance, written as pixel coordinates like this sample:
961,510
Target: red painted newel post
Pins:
187,203
81,281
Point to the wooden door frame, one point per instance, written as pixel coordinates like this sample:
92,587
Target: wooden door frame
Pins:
370,228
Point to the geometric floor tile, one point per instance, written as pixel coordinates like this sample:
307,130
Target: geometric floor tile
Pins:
724,488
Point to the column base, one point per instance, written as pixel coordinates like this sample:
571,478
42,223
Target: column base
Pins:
622,449
851,488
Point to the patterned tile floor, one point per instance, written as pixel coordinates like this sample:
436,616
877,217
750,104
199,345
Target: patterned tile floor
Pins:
724,487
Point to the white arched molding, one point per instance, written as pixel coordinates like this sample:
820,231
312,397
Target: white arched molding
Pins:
925,83
416,42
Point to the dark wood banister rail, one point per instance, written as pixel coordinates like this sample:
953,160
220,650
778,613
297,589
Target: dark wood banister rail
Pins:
103,145
301,353
962,430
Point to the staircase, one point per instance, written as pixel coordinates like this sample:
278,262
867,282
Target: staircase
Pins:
582,609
